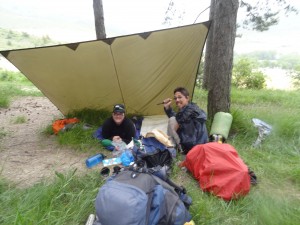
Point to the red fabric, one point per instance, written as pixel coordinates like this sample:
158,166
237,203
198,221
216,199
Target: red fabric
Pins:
60,124
219,170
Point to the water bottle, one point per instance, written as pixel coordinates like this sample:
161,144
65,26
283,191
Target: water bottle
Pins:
120,147
94,160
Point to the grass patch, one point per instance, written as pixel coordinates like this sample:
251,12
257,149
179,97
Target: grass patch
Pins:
19,120
9,90
80,139
15,84
77,136
10,39
3,133
91,116
67,200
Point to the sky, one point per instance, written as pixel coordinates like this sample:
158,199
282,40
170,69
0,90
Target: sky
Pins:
73,20
121,16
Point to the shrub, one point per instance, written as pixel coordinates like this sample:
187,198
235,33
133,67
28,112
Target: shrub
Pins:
256,80
24,34
245,76
296,77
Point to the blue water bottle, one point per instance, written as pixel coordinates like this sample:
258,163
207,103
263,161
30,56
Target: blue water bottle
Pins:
94,160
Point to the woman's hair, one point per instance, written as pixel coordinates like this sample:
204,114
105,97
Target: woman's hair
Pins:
182,90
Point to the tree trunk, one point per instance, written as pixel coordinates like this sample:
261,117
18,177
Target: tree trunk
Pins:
219,55
99,19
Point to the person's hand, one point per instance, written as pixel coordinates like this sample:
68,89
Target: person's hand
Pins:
116,139
167,103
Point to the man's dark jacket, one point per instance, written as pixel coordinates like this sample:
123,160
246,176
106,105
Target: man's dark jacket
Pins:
192,128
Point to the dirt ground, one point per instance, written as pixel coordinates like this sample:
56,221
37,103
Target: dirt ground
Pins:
27,156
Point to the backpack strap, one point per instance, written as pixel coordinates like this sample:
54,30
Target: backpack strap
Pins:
161,176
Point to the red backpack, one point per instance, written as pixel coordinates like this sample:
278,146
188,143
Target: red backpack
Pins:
219,170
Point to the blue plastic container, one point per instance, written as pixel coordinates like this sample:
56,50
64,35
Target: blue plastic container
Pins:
94,160
127,158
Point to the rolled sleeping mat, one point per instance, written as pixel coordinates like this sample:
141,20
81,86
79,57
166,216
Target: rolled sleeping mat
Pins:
221,124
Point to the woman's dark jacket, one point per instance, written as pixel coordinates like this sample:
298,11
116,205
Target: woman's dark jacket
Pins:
192,129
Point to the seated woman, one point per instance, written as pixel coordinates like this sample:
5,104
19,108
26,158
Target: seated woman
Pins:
187,126
118,127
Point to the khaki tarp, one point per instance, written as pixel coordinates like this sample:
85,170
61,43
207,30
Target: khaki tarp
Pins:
138,70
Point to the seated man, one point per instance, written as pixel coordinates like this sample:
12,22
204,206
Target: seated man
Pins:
118,127
187,127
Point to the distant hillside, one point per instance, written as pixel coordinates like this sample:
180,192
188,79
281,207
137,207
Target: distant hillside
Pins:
10,39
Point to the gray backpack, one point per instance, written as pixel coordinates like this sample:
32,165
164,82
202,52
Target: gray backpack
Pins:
137,197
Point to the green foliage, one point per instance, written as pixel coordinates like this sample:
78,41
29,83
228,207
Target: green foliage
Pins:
278,108
80,138
200,96
48,130
6,75
265,206
200,73
3,133
19,120
240,125
15,84
263,55
15,40
289,62
4,101
244,76
67,200
24,34
9,90
256,80
261,15
271,59
4,186
91,116
296,77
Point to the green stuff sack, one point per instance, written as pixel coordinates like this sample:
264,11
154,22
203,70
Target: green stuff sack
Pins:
106,142
221,124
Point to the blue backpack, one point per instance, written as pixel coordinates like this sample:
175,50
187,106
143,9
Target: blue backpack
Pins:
154,153
136,196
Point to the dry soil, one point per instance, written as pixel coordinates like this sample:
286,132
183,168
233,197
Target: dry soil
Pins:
26,155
